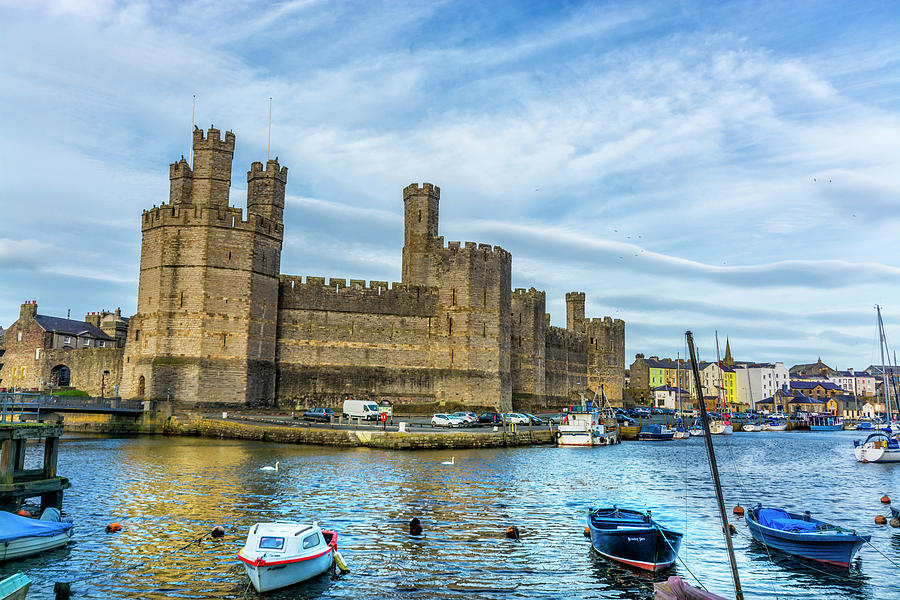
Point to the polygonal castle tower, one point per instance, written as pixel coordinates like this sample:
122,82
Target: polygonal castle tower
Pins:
605,350
208,293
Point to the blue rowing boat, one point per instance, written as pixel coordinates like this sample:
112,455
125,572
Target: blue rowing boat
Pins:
633,538
804,536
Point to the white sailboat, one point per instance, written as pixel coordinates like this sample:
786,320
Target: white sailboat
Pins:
884,445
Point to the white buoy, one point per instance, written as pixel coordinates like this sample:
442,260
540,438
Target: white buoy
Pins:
340,562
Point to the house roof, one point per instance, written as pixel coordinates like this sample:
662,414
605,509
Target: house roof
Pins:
808,385
70,326
801,399
668,388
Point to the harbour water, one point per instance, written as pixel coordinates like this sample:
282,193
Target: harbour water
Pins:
167,491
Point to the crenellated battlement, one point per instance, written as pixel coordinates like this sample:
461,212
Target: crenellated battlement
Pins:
376,297
563,338
531,293
169,215
471,248
212,139
273,171
179,169
414,189
607,322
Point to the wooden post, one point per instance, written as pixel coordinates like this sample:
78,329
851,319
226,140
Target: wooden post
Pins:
7,460
51,452
19,455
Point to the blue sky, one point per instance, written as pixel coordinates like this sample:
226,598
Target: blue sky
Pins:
689,165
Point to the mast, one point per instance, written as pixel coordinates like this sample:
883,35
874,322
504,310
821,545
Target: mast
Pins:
884,378
714,469
722,396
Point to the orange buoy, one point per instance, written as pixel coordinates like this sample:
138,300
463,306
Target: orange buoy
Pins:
880,520
23,513
512,532
885,499
113,528
587,532
739,510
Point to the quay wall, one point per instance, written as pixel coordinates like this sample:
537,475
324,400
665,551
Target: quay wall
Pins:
315,436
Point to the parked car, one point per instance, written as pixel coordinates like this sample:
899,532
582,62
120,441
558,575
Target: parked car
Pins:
442,420
516,418
490,417
467,417
534,420
640,411
557,418
626,421
323,415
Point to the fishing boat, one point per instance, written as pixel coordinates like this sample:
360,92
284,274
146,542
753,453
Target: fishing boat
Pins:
23,536
826,422
803,536
280,554
655,433
14,587
588,426
697,430
633,538
880,446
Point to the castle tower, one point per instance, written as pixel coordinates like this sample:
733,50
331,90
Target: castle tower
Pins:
575,311
420,220
208,290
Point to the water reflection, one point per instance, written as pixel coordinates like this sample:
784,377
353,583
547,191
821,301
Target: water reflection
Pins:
167,492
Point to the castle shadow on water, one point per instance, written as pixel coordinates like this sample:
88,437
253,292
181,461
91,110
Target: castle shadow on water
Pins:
218,322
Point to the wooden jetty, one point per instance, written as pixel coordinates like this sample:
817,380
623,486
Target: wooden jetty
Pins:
18,483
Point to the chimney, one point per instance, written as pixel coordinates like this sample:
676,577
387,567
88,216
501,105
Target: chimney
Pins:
27,310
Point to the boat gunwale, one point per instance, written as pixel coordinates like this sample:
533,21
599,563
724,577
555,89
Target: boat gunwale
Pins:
842,536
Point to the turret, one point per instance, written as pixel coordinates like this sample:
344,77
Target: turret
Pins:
212,167
265,190
575,311
420,230
180,182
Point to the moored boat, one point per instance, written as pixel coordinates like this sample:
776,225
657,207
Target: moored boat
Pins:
633,538
280,554
23,536
775,425
750,427
803,536
586,428
655,433
878,447
826,422
14,587
721,427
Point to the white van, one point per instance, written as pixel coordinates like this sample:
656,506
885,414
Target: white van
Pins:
364,409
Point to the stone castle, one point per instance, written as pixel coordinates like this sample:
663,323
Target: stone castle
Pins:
217,322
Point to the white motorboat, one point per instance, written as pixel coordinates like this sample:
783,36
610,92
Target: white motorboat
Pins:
280,554
775,425
586,428
23,536
750,427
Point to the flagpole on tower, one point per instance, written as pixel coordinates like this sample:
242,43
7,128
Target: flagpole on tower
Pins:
191,151
269,135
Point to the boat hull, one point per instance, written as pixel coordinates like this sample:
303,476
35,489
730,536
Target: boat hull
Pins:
646,546
28,546
269,577
836,427
831,548
870,453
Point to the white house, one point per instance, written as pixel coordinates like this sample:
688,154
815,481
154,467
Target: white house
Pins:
760,380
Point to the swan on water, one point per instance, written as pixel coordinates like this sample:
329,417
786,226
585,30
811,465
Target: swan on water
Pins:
275,468
450,462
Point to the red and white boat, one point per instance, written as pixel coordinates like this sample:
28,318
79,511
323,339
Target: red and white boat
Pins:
280,554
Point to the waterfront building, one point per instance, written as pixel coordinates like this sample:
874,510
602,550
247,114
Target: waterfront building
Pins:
817,369
816,389
721,382
666,396
44,352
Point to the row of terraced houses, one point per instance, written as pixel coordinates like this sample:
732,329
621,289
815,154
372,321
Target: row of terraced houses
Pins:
740,386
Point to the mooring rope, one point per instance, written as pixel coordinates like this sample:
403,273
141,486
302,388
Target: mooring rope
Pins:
883,554
683,564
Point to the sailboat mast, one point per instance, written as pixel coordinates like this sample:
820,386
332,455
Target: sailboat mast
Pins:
721,376
714,469
884,379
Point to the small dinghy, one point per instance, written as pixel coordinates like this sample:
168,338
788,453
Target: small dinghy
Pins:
23,536
632,538
280,554
676,589
804,536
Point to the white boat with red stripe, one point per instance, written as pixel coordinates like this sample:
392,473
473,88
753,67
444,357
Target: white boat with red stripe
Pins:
280,554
